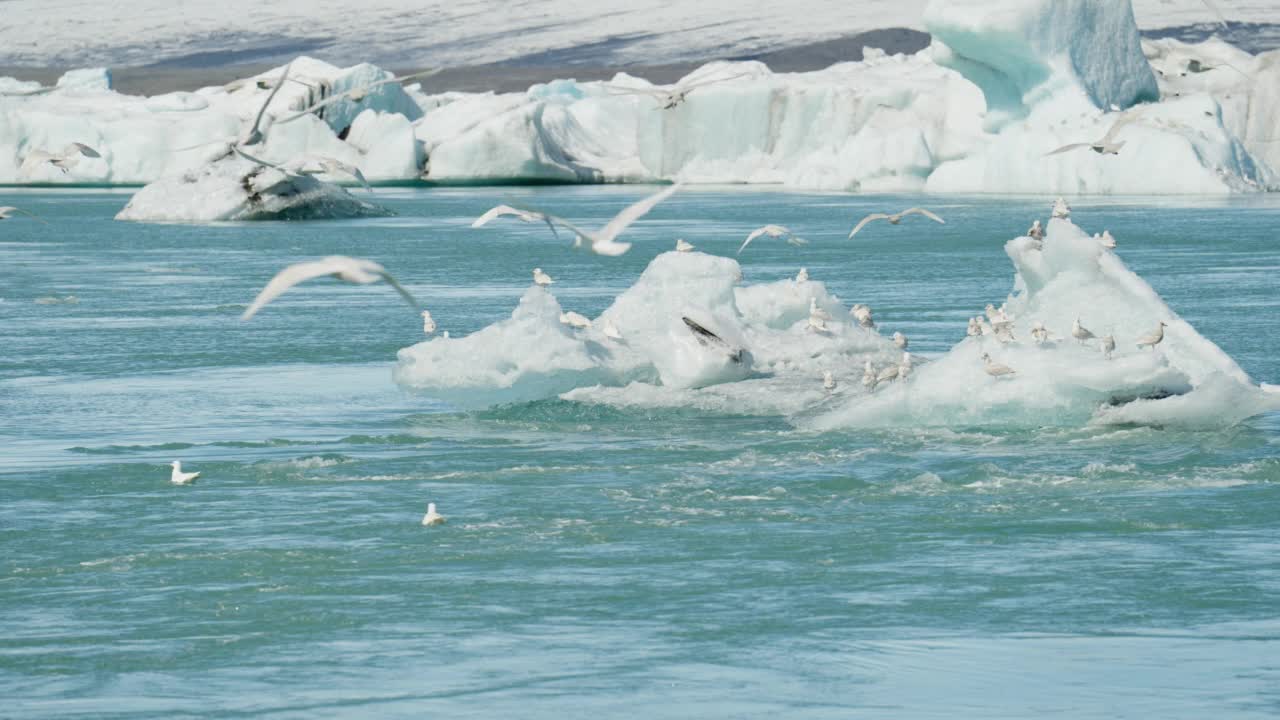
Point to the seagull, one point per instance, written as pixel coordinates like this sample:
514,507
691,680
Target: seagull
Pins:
7,211
574,320
177,477
900,340
803,275
1108,240
355,94
1153,338
862,313
541,279
904,367
1061,209
611,331
868,376
706,338
528,216
256,133
1218,13
603,242
888,374
683,247
317,164
975,330
1080,332
1109,345
828,381
64,161
1036,232
1105,146
428,325
1000,320
432,517
995,369
1039,332
773,231
669,99
983,327
894,219
347,269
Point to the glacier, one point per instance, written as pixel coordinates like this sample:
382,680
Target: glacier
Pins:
1186,381
977,112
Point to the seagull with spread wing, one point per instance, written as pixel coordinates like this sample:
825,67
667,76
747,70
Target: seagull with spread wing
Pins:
522,215
894,219
356,94
347,269
773,231
1107,145
604,241
670,98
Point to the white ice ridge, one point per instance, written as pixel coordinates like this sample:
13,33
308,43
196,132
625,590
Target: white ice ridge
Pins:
979,111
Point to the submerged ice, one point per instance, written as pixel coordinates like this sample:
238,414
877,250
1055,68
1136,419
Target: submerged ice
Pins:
1056,379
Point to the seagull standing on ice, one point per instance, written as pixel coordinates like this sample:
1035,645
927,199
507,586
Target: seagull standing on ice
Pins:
975,330
894,219
347,269
1061,209
541,279
1153,338
817,317
862,313
1080,332
1106,146
803,275
1108,346
428,325
773,231
888,374
1036,232
868,376
995,369
828,381
904,367
432,517
528,216
682,246
1107,240
611,331
575,320
900,340
177,477
1039,332
604,241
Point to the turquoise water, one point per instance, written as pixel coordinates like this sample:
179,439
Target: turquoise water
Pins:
601,562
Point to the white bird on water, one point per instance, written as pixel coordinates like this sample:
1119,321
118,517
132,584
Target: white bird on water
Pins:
528,216
1108,346
1153,338
604,241
894,219
177,477
995,369
541,279
1080,332
64,161
683,246
7,211
432,517
575,320
357,271
1061,209
1106,146
773,231
828,381
900,340
669,98
428,324
803,275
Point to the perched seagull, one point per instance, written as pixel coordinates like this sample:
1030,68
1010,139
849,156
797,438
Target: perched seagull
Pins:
347,269
6,212
773,231
683,246
668,99
975,330
995,369
64,161
177,477
1080,332
315,165
904,367
862,313
541,279
1061,209
983,327
888,374
1039,333
999,318
868,376
574,320
1153,338
828,381
1109,345
900,340
611,331
432,517
1108,240
528,216
1036,232
1105,146
894,219
355,94
803,275
603,242
428,325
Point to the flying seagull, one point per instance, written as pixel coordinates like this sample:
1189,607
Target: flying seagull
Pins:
355,94
1106,146
604,241
317,164
347,269
64,161
7,211
894,219
529,216
773,231
670,98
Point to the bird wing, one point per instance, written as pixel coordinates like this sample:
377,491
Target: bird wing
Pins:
922,211
1123,120
1214,8
493,214
24,212
552,221
631,213
255,160
863,222
301,272
709,81
1068,148
330,165
272,96
653,91
81,148
399,288
320,105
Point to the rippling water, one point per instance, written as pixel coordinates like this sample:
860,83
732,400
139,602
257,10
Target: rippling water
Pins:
598,561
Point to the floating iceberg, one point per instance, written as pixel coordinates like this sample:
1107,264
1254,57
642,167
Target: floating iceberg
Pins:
1185,380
